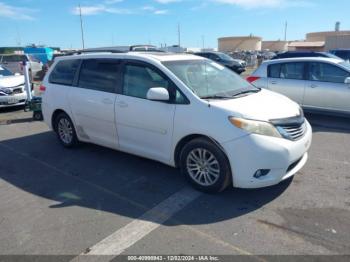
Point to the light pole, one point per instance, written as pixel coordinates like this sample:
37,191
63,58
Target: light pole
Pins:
81,27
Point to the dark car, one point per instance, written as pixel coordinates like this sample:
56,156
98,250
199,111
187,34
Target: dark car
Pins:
293,54
342,53
236,65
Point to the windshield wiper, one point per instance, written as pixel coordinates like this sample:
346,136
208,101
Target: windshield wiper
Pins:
215,97
248,91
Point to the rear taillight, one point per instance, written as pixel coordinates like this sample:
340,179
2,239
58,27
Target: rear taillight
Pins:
42,88
252,79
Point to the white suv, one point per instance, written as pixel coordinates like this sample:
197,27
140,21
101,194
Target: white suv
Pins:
182,110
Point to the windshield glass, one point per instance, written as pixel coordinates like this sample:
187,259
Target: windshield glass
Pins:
346,65
5,72
333,56
208,79
224,56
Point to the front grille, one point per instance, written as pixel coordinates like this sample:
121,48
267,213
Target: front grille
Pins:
292,132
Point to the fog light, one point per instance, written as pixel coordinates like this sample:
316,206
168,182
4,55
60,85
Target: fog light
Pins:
261,172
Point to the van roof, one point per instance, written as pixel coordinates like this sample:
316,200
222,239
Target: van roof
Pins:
158,56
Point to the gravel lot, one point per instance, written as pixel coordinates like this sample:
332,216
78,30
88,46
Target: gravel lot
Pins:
59,201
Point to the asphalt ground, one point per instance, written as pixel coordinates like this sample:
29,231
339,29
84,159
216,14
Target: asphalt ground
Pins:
93,200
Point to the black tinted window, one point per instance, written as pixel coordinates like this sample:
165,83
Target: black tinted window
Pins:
101,75
327,73
139,79
64,72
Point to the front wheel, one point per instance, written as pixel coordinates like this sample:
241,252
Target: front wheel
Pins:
205,165
65,130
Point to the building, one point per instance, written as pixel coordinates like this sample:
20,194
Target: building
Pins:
306,46
322,41
322,36
337,41
236,43
275,46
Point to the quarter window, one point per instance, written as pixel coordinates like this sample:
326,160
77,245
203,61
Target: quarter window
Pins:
326,73
101,75
64,72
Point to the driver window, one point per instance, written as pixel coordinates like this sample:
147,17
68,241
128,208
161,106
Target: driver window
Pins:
139,79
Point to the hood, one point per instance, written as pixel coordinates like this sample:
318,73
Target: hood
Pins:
11,81
230,63
265,105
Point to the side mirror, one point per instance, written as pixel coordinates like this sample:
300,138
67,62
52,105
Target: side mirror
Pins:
347,81
158,94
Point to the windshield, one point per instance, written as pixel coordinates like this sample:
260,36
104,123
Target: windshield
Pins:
5,72
346,65
333,56
225,57
209,79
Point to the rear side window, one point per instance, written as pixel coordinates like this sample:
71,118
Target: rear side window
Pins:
326,73
99,74
64,72
287,71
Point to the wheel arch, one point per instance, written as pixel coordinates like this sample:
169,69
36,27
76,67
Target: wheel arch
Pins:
183,141
54,116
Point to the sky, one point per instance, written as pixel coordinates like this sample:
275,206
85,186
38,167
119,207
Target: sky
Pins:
127,22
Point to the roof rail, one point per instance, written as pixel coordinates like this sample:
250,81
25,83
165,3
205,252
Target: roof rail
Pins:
97,50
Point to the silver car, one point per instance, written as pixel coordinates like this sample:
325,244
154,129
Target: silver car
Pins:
14,63
316,83
12,92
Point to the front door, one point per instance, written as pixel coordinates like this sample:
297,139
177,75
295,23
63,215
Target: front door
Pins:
144,127
326,88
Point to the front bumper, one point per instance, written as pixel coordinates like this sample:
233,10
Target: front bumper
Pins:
13,100
251,153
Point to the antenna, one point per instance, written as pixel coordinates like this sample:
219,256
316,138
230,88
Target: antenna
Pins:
179,34
81,27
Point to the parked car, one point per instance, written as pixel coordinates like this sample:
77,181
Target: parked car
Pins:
342,53
182,110
12,92
293,54
14,63
236,65
314,83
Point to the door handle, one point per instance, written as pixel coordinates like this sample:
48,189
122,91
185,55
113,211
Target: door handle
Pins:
122,104
107,101
313,86
273,82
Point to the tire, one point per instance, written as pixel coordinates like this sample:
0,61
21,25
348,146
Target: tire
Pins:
205,165
37,116
65,130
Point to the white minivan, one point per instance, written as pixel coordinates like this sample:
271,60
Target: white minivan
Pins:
182,110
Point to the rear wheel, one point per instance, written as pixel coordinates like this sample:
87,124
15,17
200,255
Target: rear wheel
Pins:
65,130
205,165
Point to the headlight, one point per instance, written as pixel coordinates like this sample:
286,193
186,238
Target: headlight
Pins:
255,127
